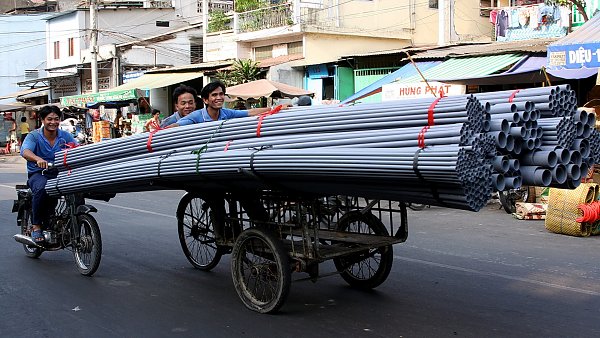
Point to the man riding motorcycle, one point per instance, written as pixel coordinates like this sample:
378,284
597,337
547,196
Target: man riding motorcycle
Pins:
38,149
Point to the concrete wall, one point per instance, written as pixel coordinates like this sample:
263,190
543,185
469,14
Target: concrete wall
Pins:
463,23
20,51
60,29
323,48
220,46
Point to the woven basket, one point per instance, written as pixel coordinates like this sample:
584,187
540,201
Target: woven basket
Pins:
562,210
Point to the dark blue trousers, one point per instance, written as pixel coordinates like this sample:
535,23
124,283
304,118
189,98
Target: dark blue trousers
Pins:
42,205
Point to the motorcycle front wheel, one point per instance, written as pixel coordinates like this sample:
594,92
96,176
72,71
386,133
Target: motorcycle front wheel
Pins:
87,251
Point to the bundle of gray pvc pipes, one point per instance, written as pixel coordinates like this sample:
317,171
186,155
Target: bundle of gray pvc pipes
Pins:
451,152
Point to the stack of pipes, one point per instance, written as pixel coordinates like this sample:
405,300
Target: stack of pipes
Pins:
425,150
451,151
541,136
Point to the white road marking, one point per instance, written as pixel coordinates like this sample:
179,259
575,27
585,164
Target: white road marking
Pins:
484,273
135,209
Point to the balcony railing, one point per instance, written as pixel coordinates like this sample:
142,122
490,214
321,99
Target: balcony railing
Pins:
265,18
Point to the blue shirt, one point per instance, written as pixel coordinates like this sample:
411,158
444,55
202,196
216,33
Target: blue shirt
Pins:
200,116
39,145
170,120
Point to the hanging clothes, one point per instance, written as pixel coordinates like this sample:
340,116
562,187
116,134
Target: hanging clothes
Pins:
493,16
565,17
513,18
502,23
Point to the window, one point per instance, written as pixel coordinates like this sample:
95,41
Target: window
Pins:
261,53
433,4
56,50
294,48
71,46
196,51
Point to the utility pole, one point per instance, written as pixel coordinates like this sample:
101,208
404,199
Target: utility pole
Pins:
442,22
94,44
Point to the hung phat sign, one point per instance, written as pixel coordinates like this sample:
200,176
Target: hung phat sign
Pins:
414,90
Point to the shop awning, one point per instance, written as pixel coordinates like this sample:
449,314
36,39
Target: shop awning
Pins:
159,80
580,49
12,107
108,96
467,67
528,70
23,92
405,71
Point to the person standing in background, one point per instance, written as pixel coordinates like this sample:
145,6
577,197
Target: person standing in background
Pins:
24,129
118,124
154,122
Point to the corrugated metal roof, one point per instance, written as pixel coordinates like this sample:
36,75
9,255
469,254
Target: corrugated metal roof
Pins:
532,46
587,33
472,48
407,70
194,66
467,67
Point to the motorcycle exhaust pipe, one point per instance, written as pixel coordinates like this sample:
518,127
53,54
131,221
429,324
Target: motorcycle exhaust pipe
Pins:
26,240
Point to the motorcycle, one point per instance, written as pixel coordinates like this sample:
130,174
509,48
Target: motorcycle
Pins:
71,227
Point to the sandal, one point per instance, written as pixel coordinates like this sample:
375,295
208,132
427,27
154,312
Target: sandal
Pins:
38,236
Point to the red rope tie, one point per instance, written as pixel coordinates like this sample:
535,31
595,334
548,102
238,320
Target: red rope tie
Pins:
512,96
227,145
430,111
421,137
68,146
591,212
149,142
263,115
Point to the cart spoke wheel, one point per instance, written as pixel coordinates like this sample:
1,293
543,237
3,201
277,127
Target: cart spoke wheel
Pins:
196,232
370,268
260,270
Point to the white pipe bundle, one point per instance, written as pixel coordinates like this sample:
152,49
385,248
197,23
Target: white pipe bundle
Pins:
449,152
430,152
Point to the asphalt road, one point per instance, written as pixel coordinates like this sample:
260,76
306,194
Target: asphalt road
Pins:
459,274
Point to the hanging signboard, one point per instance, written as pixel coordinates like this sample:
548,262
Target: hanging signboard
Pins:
400,91
108,96
585,55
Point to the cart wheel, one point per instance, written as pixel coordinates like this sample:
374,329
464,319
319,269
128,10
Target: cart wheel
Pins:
260,269
197,233
368,269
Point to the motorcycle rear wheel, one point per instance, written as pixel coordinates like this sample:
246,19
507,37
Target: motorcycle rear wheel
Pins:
25,224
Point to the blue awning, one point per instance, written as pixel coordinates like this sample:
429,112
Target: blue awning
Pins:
405,71
580,49
528,70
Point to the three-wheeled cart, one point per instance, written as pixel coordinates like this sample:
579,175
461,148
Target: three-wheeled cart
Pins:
271,234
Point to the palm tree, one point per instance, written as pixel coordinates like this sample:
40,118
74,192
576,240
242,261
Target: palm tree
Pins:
242,71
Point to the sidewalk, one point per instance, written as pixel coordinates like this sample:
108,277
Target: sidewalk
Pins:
12,158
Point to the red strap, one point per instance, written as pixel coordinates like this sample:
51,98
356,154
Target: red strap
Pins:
431,110
263,115
227,145
149,142
512,96
421,137
68,146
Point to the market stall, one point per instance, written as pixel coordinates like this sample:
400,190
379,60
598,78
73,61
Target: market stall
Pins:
112,113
